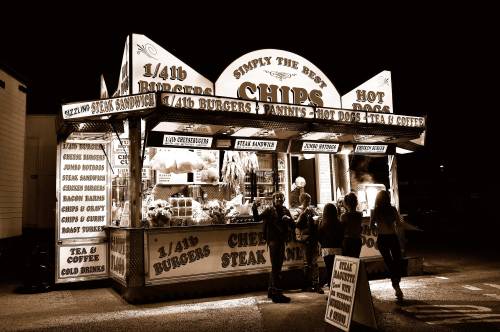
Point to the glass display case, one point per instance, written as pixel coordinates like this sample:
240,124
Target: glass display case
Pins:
270,177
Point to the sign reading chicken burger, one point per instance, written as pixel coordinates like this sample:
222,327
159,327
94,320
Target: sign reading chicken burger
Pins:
277,76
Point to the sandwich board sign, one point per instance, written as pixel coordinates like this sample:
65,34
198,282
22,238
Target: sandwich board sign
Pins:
349,297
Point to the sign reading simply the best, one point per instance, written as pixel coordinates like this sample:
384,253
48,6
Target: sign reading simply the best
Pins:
277,76
83,190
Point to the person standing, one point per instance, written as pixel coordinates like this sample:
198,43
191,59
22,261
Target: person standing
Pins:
297,190
351,220
277,226
307,223
385,218
331,235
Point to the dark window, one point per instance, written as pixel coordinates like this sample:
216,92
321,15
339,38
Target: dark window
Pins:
2,84
22,88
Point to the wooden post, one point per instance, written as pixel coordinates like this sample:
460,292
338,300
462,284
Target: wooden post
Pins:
134,184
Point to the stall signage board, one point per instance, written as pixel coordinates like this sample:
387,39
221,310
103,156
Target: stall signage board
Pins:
156,69
294,111
119,254
369,247
82,262
254,144
195,254
395,120
209,103
375,95
340,115
102,107
320,147
187,141
370,148
277,76
83,190
349,298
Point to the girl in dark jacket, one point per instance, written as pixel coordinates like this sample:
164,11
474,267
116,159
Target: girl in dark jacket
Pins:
331,235
351,220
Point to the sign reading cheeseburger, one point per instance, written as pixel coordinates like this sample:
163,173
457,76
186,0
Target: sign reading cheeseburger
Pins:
277,76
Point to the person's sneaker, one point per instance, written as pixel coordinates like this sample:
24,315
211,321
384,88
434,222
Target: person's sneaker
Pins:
319,290
280,298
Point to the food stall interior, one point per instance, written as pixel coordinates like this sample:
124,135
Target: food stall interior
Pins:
216,183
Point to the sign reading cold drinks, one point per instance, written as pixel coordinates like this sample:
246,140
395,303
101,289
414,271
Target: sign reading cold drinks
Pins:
82,260
83,208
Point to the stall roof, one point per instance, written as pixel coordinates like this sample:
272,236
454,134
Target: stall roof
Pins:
162,115
215,123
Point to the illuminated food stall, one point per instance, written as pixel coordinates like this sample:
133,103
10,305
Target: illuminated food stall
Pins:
155,184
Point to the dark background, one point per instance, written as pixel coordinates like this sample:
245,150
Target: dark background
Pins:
442,61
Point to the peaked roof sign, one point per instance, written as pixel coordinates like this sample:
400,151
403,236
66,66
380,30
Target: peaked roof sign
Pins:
154,69
277,76
375,95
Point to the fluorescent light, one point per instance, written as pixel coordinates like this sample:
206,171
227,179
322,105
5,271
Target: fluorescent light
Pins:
247,132
402,151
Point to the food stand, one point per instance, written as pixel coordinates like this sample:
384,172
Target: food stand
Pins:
155,183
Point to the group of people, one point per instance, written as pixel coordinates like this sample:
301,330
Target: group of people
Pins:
333,235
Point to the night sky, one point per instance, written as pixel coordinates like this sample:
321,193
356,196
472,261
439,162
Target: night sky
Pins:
441,59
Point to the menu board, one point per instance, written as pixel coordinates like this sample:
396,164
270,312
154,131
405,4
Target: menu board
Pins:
84,261
83,190
342,292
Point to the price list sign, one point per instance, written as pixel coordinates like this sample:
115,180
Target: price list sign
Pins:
83,191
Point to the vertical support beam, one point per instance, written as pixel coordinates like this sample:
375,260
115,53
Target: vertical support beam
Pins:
323,179
343,175
134,184
393,180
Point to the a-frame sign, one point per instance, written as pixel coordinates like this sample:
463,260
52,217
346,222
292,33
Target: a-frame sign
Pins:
349,298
